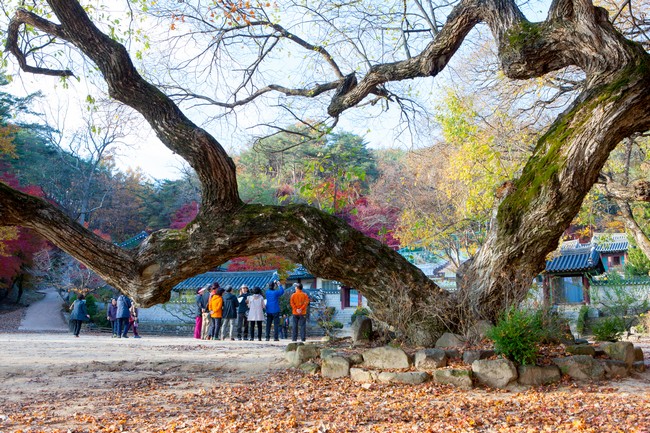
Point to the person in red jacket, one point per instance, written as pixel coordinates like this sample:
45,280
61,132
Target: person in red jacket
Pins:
299,303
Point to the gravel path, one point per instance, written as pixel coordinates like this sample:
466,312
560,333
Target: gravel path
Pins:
44,315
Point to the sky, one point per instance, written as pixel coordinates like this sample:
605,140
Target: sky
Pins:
380,128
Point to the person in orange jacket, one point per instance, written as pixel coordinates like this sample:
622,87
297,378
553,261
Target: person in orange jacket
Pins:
215,306
299,303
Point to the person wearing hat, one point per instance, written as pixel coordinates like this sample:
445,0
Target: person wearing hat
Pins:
242,313
198,314
230,305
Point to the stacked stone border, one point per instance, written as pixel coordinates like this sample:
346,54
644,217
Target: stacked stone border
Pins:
387,364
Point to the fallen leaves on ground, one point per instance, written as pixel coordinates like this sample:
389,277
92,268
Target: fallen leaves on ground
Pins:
292,402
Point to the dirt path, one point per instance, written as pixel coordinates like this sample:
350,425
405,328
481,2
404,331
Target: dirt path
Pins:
45,315
53,382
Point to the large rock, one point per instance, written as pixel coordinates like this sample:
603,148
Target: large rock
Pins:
364,376
469,356
310,367
620,351
291,347
615,369
458,378
638,354
450,340
580,367
639,366
496,373
430,359
355,358
479,330
386,357
408,377
302,354
535,375
334,367
581,349
326,353
453,354
361,329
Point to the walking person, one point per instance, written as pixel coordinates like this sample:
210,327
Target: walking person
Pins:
122,315
111,313
79,314
273,294
198,313
215,306
299,303
256,312
230,304
242,313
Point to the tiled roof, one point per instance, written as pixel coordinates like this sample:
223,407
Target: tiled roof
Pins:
300,272
235,279
575,262
612,247
134,241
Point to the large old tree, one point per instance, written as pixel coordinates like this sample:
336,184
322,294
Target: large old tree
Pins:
531,214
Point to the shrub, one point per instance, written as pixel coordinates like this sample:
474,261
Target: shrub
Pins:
359,312
516,336
552,328
609,329
325,321
583,317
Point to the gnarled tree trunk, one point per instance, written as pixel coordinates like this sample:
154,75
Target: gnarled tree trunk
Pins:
528,222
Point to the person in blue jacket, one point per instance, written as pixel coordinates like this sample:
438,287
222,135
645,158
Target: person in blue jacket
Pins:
275,290
79,314
122,315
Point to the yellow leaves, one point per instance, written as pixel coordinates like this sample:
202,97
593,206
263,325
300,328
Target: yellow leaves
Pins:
7,134
7,234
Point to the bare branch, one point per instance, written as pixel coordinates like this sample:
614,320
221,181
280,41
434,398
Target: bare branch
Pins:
24,17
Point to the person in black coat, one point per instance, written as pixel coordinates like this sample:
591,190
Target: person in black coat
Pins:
201,307
230,304
242,312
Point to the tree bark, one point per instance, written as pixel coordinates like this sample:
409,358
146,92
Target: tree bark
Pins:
527,224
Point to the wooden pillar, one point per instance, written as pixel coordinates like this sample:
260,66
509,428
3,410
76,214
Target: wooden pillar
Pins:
546,291
585,290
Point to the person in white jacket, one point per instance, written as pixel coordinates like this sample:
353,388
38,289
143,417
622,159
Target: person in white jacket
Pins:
256,312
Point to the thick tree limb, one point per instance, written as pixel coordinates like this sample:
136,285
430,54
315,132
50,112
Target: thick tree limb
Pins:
23,17
637,191
527,224
214,167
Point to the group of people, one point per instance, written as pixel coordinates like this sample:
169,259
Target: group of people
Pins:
123,315
220,314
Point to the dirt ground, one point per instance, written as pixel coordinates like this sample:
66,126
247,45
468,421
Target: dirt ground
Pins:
53,382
